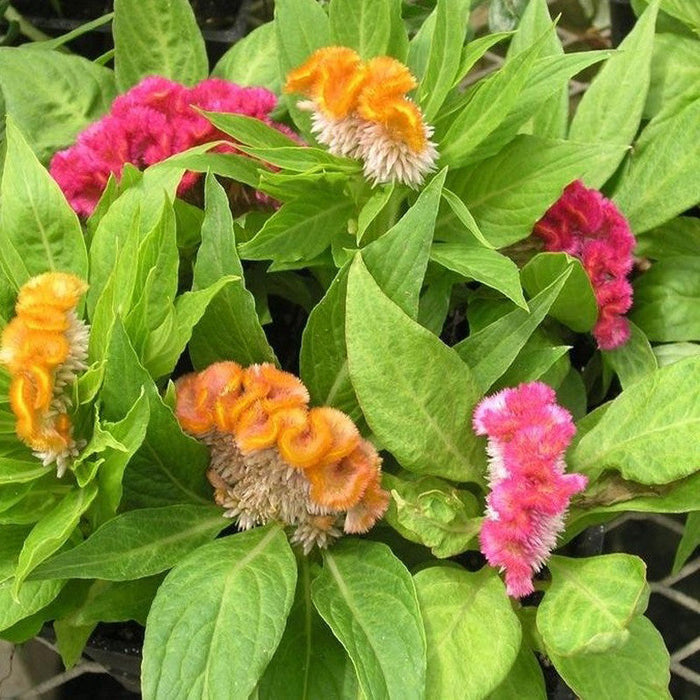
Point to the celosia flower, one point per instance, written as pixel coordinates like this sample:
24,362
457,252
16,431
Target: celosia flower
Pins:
360,109
590,227
151,122
274,458
43,347
528,434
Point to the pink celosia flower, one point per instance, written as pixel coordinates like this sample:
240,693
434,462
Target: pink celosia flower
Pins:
528,434
588,226
151,122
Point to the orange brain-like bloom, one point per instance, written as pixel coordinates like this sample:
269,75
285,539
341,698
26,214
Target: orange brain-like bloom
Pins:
274,458
43,348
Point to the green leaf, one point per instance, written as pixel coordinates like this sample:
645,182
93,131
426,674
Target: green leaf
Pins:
483,265
473,634
234,595
373,207
667,300
71,640
67,93
674,352
510,191
689,542
20,471
159,37
576,305
309,662
139,543
490,351
398,369
633,360
252,60
11,544
475,50
648,433
368,599
230,328
249,131
40,232
680,236
33,596
590,603
524,680
639,669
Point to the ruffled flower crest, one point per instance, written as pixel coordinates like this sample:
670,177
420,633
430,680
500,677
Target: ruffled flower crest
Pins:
274,458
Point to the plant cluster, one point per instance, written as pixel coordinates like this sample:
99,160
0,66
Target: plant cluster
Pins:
308,365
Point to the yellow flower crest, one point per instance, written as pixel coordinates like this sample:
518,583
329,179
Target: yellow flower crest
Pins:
43,348
274,458
361,110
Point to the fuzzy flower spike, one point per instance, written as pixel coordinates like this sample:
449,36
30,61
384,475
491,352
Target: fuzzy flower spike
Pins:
274,458
360,109
43,347
528,434
590,227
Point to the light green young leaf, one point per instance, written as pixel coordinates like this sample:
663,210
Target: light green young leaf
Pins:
368,599
474,50
33,596
669,353
372,208
21,470
689,542
633,360
236,594
473,634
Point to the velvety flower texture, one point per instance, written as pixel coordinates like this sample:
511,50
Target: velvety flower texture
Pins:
590,227
360,109
44,347
528,434
274,458
151,122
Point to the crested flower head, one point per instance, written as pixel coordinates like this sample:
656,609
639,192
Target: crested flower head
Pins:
274,458
590,227
360,109
44,347
149,123
528,434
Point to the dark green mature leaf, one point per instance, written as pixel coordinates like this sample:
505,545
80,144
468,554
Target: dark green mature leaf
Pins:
67,93
633,360
399,371
11,544
680,236
648,433
591,602
524,680
368,599
159,37
509,192
139,543
639,669
235,595
39,232
32,597
667,300
473,634
230,328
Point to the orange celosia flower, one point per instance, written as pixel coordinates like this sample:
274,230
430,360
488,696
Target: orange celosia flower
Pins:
274,458
361,110
43,347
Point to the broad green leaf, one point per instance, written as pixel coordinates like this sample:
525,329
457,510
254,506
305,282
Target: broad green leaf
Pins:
67,93
71,640
52,531
40,232
689,542
398,370
33,596
322,669
509,192
490,351
249,131
371,210
20,471
639,669
674,352
419,46
524,680
475,50
159,37
648,433
483,265
661,180
252,60
667,300
612,106
138,543
218,617
473,634
230,328
680,236
576,305
435,301
11,544
590,603
368,599
633,360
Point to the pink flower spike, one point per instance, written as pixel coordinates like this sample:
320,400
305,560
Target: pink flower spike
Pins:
528,434
583,223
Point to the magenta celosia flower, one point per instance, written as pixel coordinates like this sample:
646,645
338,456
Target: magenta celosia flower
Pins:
590,227
151,122
528,434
